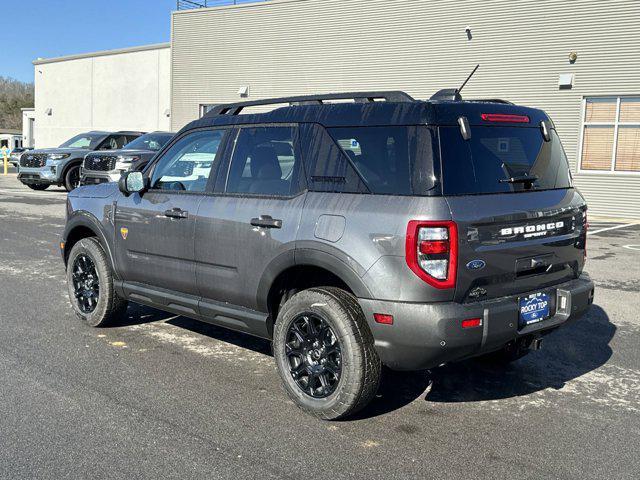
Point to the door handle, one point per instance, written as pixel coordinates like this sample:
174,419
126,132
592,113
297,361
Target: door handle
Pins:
266,221
176,213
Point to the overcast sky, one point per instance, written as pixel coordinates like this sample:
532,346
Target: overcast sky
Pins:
51,28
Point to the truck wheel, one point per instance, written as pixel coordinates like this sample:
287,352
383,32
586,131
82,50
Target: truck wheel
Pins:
90,284
38,187
72,178
324,353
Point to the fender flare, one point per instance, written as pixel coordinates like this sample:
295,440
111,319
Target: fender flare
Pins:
70,163
315,258
86,220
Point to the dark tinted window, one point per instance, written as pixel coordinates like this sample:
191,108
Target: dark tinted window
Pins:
495,154
114,142
264,162
150,141
328,168
395,160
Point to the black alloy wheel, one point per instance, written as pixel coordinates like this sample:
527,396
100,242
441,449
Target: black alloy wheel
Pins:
314,355
72,178
86,285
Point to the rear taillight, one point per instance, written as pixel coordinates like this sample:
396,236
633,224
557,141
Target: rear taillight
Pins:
431,251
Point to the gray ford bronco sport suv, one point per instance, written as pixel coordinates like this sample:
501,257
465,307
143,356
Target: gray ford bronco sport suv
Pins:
384,231
60,166
107,166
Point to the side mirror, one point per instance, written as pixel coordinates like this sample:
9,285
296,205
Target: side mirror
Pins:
132,182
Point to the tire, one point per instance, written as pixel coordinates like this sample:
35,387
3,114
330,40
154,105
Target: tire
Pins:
72,178
38,187
104,307
359,366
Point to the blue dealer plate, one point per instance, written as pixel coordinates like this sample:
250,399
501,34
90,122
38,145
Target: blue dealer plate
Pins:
534,308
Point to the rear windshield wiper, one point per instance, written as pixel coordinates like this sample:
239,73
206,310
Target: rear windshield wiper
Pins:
523,179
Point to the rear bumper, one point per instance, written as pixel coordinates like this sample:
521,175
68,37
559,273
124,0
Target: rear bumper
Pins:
427,335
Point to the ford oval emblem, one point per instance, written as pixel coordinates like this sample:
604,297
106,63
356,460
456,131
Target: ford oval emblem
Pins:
476,265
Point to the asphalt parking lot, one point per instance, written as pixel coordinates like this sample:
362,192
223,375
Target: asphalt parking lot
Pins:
166,397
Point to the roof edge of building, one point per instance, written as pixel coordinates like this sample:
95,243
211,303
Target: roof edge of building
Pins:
102,53
237,6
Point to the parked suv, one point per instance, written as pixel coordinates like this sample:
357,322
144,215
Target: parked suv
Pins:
14,157
107,166
385,231
61,166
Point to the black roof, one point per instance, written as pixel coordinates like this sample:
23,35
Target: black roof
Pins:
397,109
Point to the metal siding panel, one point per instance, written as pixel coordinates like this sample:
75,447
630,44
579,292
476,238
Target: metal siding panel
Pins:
291,47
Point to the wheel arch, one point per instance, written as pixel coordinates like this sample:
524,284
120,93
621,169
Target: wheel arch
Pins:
83,225
70,163
308,268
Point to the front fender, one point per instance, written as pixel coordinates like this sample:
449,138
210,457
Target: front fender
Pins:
83,219
64,166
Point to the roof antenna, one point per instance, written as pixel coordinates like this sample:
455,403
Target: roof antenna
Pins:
468,78
453,94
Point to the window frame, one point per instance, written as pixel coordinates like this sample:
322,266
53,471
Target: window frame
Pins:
616,124
298,173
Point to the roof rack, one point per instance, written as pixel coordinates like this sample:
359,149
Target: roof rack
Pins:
358,97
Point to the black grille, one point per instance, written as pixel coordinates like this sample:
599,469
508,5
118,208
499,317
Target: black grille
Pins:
33,160
100,163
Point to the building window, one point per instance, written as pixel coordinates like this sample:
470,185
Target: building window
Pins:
611,135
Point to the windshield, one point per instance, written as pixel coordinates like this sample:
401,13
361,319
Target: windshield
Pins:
150,141
501,160
84,140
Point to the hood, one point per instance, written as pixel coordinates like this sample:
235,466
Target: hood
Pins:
102,190
71,151
115,153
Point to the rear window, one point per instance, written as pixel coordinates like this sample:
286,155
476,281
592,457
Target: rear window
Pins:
395,160
494,155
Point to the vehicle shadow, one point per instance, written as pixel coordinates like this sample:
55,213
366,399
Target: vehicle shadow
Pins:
139,314
241,340
567,353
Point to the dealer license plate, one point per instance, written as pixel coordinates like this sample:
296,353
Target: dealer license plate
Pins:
535,308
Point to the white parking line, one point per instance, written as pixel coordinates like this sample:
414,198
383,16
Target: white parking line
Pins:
632,247
611,228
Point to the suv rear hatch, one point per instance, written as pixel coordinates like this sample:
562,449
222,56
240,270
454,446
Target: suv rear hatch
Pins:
521,224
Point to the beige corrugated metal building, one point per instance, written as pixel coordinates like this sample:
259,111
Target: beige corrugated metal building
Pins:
285,47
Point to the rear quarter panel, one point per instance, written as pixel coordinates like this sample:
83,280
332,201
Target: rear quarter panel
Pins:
366,233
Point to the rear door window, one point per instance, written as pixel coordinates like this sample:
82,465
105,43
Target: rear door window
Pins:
494,155
265,162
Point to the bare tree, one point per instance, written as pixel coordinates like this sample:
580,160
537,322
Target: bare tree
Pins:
14,95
